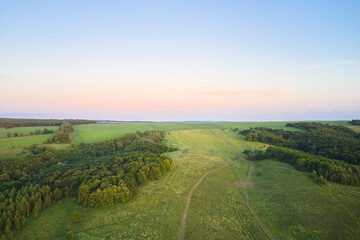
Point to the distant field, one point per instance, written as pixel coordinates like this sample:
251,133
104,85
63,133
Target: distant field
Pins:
25,130
98,132
289,204
20,142
7,145
353,127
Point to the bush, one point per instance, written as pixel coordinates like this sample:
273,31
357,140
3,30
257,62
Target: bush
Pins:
69,235
76,216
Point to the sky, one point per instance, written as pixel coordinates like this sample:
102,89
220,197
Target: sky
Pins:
180,60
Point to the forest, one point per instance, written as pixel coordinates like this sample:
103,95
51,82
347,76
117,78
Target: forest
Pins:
355,122
332,170
330,141
63,136
333,152
98,174
24,122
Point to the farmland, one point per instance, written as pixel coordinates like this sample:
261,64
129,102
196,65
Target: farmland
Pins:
230,203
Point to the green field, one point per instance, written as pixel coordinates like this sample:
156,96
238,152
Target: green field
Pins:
25,130
289,204
98,132
16,144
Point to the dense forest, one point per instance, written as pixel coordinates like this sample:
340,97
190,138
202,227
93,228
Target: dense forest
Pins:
98,174
355,122
331,152
24,122
63,136
332,170
330,141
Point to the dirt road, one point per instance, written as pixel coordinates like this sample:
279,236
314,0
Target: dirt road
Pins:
188,201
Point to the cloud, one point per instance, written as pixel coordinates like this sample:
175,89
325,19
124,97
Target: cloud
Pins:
333,64
258,91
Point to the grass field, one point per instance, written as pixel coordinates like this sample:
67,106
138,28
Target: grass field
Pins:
289,204
7,145
25,130
155,211
98,132
19,142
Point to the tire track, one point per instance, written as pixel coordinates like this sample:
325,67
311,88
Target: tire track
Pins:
188,200
294,170
329,193
247,181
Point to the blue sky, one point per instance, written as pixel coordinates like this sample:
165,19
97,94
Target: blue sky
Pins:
180,60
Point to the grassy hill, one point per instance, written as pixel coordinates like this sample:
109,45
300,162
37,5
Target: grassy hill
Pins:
231,203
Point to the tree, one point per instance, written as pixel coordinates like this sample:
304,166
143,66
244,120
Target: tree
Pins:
9,135
17,222
69,235
259,173
322,180
23,220
47,202
314,174
76,216
57,194
16,134
36,210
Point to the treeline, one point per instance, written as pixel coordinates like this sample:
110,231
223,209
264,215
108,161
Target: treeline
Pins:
335,142
332,170
355,122
36,132
98,174
63,136
317,125
19,122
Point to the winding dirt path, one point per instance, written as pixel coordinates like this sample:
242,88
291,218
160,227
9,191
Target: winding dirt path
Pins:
188,200
264,229
247,181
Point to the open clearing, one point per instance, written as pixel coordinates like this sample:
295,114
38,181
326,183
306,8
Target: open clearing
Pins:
288,203
20,142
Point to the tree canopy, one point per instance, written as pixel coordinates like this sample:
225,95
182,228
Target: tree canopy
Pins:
98,174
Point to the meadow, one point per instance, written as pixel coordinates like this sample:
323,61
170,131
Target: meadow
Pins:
231,203
25,130
15,145
98,132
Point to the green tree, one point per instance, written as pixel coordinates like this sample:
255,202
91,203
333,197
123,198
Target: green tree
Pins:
47,202
76,216
69,235
36,210
314,174
57,194
17,222
322,180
